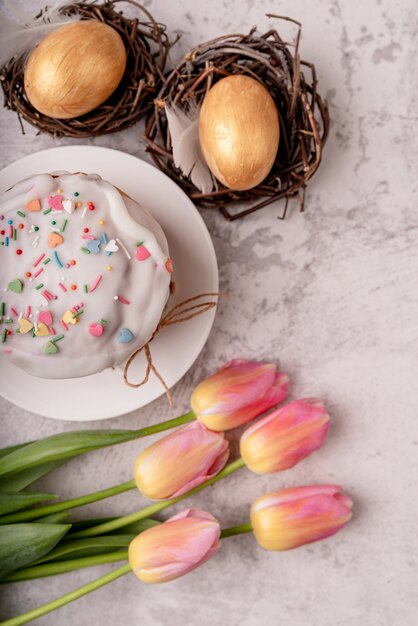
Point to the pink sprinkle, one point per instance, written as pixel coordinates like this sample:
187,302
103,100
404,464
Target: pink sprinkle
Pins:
28,312
52,331
63,287
88,237
47,295
10,231
14,312
38,260
64,324
7,350
38,272
122,300
96,282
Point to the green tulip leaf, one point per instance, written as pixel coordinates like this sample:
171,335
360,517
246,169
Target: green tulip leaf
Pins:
21,544
10,502
20,480
61,448
85,547
54,518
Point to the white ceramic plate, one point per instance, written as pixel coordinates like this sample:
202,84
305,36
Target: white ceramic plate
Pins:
175,349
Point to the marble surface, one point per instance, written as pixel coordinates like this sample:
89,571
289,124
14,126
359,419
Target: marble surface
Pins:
331,294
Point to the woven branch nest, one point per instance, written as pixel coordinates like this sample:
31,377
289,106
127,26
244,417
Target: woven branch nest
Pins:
304,119
147,46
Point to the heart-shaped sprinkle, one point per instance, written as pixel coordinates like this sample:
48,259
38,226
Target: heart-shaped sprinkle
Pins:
93,245
55,240
45,317
33,205
68,317
112,246
55,202
96,330
125,335
25,325
15,285
50,348
43,330
68,205
142,253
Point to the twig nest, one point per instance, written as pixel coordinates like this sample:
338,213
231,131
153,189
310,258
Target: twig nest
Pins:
239,131
292,85
74,69
146,45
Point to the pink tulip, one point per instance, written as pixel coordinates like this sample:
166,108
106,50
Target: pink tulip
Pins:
176,547
238,392
180,461
289,518
285,436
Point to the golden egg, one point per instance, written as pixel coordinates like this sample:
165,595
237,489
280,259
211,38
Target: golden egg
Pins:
74,69
239,131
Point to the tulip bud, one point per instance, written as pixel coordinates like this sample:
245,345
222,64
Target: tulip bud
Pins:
289,518
238,392
180,461
176,547
285,436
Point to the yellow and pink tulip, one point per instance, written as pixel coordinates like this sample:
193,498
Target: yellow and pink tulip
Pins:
176,547
285,436
237,393
290,518
180,461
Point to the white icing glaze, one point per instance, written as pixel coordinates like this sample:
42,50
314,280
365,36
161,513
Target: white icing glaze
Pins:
144,283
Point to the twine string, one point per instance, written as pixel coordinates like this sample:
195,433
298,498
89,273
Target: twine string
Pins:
180,313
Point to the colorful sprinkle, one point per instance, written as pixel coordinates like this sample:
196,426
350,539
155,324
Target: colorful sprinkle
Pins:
47,211
14,312
63,287
33,205
109,268
121,299
73,287
86,230
96,282
47,260
101,222
93,245
21,226
38,272
86,288
18,251
3,308
124,248
15,285
55,240
58,262
125,335
21,213
85,250
96,330
39,259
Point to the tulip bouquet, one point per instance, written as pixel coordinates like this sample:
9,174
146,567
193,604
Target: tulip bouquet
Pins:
38,541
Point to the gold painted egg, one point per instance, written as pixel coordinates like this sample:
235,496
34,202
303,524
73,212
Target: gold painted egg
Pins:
74,69
239,131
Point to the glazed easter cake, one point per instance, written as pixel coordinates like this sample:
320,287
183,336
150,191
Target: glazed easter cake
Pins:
84,275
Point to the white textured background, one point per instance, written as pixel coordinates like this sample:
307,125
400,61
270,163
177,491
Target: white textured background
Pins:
333,295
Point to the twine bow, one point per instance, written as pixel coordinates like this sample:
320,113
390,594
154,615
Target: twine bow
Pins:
181,312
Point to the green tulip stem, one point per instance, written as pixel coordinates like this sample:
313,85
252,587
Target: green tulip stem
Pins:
62,567
65,505
151,510
68,597
236,530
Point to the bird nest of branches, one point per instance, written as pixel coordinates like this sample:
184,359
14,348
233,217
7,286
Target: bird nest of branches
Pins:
147,46
292,82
